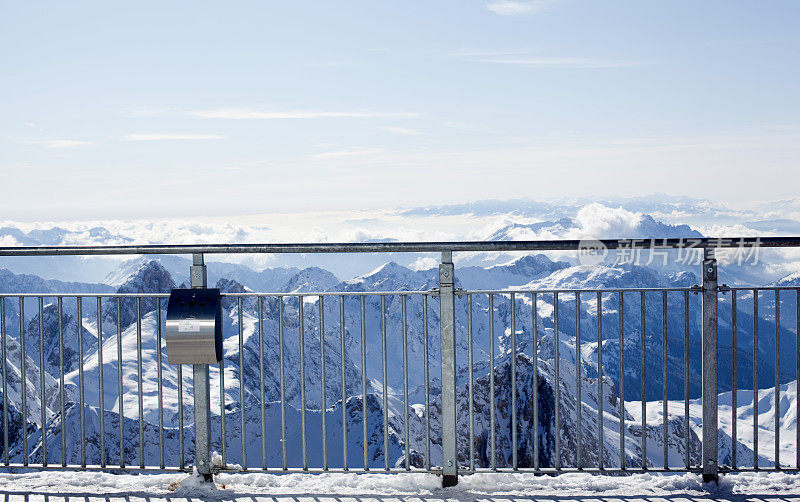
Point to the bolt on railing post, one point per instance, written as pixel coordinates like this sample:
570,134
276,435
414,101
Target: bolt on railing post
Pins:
709,372
201,389
448,340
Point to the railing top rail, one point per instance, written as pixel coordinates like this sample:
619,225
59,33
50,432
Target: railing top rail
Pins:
406,247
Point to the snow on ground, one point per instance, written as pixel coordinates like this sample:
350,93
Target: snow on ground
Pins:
91,486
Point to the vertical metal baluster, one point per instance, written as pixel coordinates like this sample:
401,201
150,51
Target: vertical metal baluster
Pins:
181,461
558,383
323,388
365,440
755,379
492,404
42,407
513,382
600,414
223,442
686,375
242,432
119,387
579,384
385,390
159,377
261,379
427,392
283,381
642,339
797,375
471,396
5,383
734,391
80,381
302,382
535,335
24,384
406,435
621,382
139,378
101,406
777,378
664,375
344,384
61,380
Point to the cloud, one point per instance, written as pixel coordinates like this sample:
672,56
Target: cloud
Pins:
29,124
62,143
168,137
250,114
553,62
401,130
516,8
347,152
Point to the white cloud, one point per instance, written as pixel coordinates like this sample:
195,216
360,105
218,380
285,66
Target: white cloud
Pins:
162,137
29,124
249,114
424,263
554,62
62,143
347,152
515,8
402,130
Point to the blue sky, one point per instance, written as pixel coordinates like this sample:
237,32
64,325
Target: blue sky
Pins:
177,109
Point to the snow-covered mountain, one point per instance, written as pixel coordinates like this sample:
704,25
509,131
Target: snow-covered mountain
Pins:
330,339
262,335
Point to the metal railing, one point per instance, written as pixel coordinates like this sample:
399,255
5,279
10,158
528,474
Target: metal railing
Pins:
541,380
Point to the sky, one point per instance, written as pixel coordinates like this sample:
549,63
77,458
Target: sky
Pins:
186,109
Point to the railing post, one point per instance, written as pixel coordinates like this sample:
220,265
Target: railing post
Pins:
201,389
448,339
710,462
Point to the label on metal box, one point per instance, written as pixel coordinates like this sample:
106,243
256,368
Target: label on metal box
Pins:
189,326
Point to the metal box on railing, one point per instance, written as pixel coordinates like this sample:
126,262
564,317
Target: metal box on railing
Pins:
194,326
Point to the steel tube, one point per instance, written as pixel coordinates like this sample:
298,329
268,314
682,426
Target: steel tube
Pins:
734,390
406,435
777,396
558,384
513,382
139,379
492,405
261,381
664,410
755,379
600,416
344,384
621,382
242,431
159,376
365,439
301,328
643,392
535,350
427,390
120,395
470,386
404,247
324,406
24,383
686,376
578,385
5,384
283,382
42,407
384,371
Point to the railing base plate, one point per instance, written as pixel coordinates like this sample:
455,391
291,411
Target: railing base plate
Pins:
449,480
